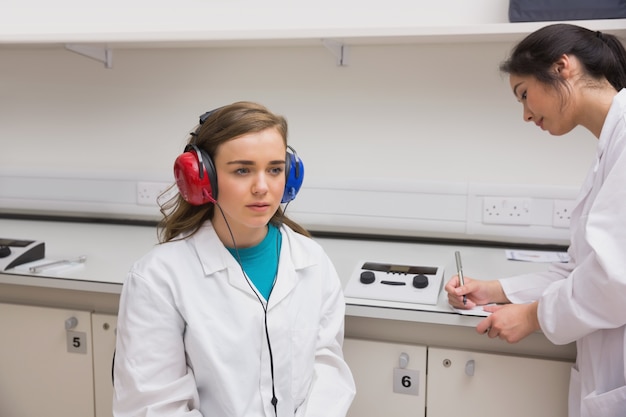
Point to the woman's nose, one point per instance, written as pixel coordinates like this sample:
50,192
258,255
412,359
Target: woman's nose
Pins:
528,115
260,184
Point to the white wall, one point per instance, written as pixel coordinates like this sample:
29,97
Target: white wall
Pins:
423,111
431,121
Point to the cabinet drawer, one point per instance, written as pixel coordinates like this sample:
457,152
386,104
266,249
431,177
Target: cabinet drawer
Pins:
488,385
46,367
372,364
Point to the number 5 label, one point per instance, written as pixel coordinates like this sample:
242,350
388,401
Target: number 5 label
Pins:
76,342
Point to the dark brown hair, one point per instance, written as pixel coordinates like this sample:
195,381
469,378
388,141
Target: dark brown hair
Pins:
602,55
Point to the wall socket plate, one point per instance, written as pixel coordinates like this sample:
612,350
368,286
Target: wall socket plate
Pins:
148,192
562,213
507,210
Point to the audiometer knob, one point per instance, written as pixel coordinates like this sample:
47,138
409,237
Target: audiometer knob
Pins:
367,277
420,281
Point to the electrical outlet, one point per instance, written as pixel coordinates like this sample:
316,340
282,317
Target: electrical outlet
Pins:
506,210
148,192
562,213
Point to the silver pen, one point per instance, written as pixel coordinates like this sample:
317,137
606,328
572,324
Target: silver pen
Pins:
459,270
41,267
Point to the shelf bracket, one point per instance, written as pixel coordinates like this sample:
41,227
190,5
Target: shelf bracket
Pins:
339,50
99,53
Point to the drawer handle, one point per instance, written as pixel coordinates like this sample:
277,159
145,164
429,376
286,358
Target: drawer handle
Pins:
403,360
71,323
469,367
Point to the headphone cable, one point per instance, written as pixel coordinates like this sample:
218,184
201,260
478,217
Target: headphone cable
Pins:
263,305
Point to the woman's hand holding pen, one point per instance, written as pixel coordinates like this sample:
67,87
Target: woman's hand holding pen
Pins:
477,292
509,322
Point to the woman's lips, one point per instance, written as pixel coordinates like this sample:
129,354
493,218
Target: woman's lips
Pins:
258,206
540,123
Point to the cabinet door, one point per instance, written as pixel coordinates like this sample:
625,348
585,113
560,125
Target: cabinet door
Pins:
383,387
492,385
45,368
104,327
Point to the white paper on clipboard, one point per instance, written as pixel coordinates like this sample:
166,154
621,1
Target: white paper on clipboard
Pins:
476,311
536,256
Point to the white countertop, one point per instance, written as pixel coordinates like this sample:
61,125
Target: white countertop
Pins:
111,249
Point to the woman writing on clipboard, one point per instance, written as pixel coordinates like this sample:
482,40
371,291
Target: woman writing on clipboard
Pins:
566,76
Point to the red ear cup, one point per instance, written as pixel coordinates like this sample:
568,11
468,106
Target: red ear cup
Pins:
195,184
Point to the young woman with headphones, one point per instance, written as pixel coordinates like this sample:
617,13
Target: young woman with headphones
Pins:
237,312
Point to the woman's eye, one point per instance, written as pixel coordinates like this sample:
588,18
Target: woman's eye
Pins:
242,171
277,170
524,94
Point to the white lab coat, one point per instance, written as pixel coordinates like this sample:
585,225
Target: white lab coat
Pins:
191,339
585,299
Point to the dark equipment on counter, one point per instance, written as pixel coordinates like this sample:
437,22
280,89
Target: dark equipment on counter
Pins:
556,10
14,252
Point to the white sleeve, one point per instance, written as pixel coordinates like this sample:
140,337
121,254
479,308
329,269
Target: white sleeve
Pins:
150,371
529,287
333,388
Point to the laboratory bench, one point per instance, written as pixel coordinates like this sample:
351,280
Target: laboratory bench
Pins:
62,321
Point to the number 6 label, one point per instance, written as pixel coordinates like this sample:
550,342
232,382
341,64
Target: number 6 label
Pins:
406,381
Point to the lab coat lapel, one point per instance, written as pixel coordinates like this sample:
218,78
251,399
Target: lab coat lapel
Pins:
286,280
595,175
217,262
294,258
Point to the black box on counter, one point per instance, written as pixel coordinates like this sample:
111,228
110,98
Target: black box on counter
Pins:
14,252
556,10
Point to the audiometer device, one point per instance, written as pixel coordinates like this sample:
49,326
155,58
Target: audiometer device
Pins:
14,252
393,282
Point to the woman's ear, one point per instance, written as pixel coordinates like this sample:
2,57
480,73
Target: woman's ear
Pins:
564,66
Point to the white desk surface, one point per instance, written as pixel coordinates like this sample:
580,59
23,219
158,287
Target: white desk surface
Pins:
111,249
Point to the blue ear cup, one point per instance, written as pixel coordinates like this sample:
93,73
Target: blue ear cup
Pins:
294,172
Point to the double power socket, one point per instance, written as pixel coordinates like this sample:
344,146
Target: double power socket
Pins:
519,211
149,192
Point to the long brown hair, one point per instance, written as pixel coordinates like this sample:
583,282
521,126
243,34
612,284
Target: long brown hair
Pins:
221,125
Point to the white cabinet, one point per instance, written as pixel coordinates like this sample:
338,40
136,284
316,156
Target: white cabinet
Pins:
104,327
45,362
492,385
376,368
455,382
55,362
